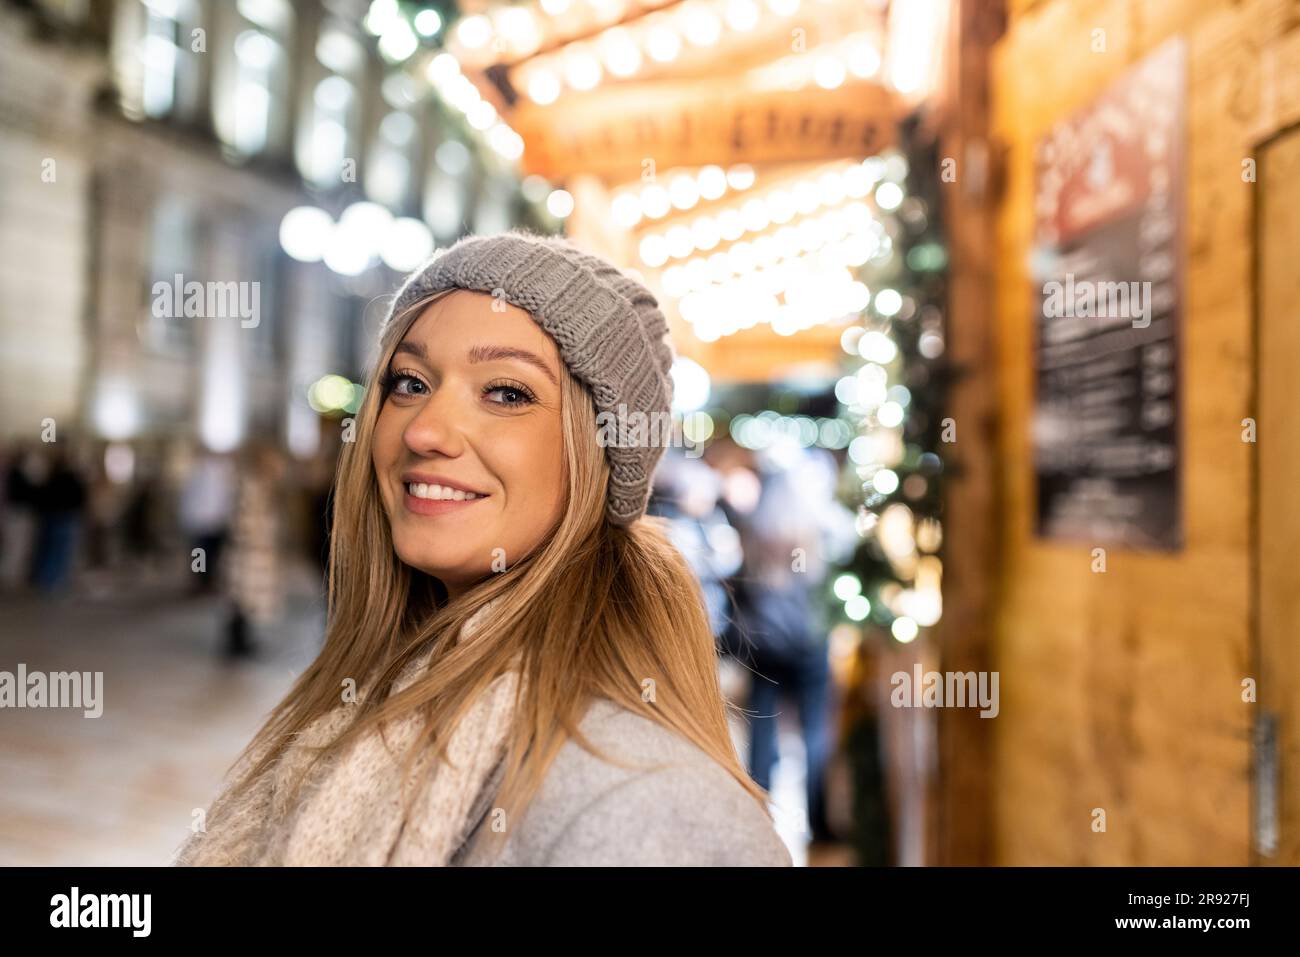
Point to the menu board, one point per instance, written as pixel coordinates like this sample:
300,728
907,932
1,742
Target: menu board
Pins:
1107,275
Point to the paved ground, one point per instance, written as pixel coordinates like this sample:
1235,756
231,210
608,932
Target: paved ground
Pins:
120,789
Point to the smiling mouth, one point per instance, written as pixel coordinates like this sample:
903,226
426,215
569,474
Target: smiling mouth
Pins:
439,493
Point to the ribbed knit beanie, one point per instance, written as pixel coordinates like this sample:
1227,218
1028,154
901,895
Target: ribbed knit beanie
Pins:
608,327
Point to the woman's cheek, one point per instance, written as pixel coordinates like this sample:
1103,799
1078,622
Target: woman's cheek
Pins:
551,497
531,468
386,453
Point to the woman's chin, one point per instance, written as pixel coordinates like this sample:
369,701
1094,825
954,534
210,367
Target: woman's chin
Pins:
454,575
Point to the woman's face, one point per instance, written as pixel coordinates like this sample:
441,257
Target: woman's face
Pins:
468,444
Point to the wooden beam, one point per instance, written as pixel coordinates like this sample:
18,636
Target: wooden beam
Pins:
964,807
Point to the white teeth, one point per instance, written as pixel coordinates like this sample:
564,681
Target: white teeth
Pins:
439,492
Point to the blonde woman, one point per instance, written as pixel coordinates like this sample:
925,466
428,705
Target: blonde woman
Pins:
518,668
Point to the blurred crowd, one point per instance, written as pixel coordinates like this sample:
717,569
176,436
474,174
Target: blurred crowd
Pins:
762,531
80,518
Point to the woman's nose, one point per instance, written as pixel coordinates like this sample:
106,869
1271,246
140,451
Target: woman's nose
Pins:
436,429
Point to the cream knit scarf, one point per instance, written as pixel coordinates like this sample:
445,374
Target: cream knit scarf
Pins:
350,810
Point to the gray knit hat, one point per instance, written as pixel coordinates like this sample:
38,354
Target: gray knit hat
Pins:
608,327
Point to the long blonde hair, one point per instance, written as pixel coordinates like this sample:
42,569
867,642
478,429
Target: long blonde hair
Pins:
595,610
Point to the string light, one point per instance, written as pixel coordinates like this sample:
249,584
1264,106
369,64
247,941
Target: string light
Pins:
454,88
655,38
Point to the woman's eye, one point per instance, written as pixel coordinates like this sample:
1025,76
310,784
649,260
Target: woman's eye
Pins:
405,385
510,395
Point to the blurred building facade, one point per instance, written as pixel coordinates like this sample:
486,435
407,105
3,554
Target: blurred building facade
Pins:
46,95
148,145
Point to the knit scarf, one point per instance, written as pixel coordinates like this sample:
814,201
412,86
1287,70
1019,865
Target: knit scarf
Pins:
350,811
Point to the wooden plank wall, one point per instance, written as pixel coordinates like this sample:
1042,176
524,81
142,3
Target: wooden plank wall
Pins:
1122,690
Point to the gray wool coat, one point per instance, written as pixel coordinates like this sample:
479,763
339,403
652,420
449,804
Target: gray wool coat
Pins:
589,812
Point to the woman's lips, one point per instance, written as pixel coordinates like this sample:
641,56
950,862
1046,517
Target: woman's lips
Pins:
424,504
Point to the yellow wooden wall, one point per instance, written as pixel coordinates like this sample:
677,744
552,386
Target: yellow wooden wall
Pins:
1123,690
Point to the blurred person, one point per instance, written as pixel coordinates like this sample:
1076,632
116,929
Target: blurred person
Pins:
687,493
18,523
109,497
141,534
741,485
501,609
207,503
311,484
319,491
861,729
60,502
778,626
255,579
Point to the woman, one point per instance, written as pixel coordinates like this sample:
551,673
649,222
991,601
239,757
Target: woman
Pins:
525,665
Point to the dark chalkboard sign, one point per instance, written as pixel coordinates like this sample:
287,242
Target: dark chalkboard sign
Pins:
1107,275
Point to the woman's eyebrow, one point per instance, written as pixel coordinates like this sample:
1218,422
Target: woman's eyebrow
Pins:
491,353
414,348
